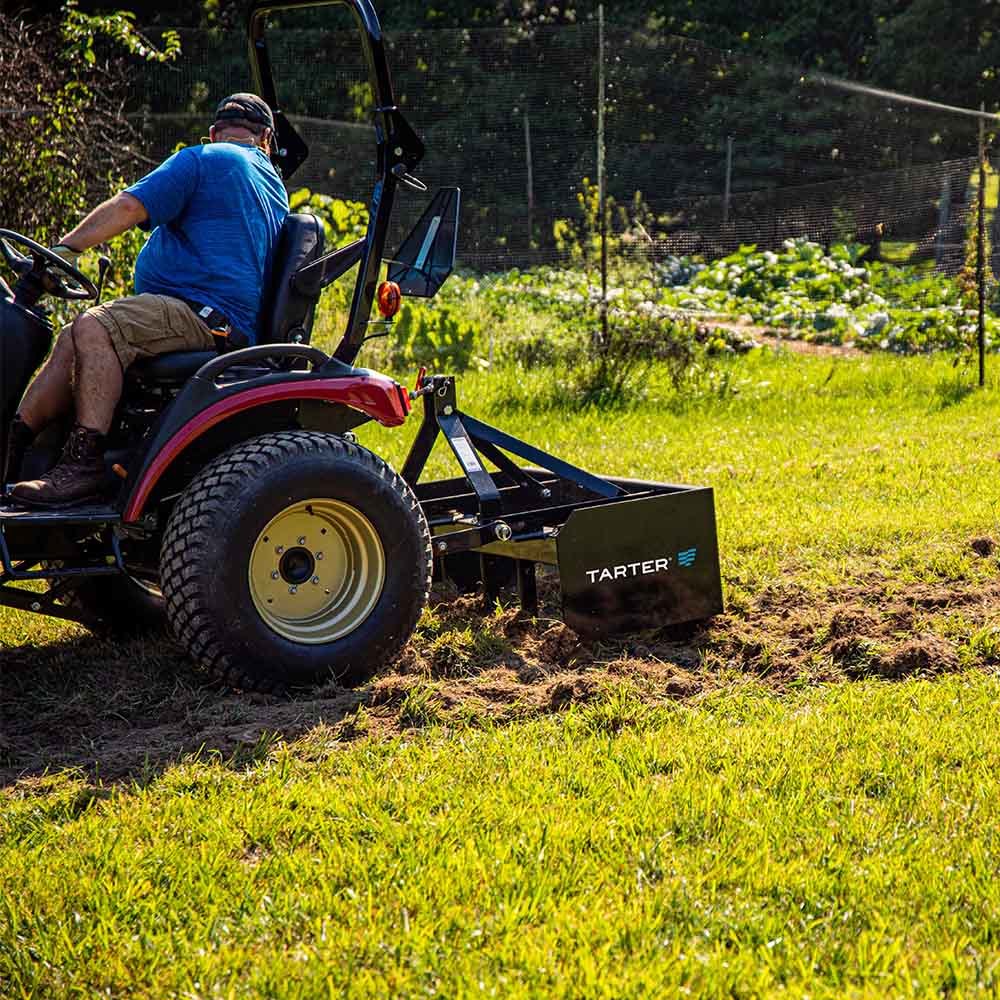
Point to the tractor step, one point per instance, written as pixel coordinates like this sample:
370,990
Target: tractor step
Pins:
23,522
37,516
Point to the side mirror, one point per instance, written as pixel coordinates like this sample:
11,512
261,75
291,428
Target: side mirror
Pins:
427,256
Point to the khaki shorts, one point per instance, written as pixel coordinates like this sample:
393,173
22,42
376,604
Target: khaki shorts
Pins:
142,326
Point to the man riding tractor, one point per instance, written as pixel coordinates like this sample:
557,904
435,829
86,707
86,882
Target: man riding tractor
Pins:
216,211
280,549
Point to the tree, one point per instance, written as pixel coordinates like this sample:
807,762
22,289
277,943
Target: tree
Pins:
63,84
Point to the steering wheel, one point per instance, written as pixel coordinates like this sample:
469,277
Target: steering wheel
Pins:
69,284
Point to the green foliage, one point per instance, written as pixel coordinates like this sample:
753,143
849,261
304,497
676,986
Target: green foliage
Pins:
436,335
80,32
615,372
58,157
628,227
968,280
829,296
681,314
580,239
343,221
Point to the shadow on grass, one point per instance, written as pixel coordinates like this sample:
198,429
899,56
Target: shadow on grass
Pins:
951,391
125,710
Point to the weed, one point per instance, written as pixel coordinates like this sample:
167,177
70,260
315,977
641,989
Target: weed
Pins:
617,707
982,647
421,706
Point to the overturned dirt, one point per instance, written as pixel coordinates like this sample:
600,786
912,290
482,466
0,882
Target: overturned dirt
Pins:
126,710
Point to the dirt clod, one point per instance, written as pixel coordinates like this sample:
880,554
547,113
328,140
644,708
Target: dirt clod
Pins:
565,692
984,546
925,654
851,620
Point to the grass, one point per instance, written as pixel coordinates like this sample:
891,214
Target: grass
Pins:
824,468
742,837
830,843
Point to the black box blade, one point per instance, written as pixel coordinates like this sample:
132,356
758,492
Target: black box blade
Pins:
638,564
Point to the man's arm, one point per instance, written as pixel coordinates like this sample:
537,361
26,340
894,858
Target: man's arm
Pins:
109,219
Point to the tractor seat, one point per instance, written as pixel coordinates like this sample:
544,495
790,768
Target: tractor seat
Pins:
286,314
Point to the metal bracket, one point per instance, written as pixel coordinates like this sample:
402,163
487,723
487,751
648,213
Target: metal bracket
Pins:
466,434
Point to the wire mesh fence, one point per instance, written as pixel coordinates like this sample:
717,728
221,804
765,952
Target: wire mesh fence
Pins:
703,151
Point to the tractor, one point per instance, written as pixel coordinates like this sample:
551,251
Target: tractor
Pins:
241,509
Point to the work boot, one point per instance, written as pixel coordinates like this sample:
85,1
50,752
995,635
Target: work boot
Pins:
20,437
78,476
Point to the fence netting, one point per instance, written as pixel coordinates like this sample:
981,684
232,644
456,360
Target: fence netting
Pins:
703,150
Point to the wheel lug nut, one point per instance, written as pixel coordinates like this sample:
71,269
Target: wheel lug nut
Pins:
293,590
274,575
302,540
319,555
279,549
315,579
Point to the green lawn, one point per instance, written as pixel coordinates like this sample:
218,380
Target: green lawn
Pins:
823,467
837,843
759,811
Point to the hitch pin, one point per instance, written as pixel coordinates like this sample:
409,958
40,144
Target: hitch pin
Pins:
419,389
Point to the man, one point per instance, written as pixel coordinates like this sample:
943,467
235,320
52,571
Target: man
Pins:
215,211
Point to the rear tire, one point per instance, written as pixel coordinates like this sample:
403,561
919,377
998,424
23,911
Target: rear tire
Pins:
293,558
119,605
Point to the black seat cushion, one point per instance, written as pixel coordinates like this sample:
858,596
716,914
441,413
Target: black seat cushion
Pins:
172,368
286,315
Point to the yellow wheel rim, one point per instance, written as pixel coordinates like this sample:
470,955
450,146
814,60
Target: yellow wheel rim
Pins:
316,571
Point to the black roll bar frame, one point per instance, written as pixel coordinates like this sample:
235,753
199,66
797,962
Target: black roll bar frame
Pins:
398,151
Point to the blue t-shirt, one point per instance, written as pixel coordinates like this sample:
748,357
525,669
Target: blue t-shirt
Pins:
215,211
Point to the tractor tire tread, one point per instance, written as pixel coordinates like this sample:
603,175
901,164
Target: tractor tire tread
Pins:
198,509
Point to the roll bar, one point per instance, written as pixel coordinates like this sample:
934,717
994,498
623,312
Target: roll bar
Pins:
398,148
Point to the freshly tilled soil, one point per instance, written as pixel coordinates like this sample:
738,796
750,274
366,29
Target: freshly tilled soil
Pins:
127,710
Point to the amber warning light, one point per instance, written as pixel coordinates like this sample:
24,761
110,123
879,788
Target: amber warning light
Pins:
389,299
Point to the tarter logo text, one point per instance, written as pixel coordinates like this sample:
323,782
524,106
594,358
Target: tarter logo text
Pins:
626,570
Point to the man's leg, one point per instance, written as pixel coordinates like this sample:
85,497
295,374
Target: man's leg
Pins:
106,340
97,387
98,377
50,394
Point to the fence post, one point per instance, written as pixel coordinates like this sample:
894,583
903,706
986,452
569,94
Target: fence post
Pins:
531,185
981,249
944,217
601,182
729,178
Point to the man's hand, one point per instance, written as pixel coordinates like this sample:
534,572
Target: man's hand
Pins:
68,254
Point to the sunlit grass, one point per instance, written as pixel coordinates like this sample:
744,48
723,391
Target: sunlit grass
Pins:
822,467
837,841
832,844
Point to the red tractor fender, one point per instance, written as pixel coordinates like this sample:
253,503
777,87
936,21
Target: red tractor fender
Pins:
379,396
